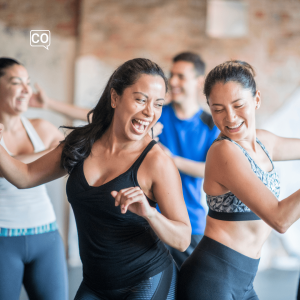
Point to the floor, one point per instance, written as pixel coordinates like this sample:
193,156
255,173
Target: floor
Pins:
270,284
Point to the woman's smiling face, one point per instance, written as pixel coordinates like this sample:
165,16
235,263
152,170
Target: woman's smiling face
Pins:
139,107
233,109
15,90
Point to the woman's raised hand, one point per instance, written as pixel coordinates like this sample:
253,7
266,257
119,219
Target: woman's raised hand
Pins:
39,99
134,200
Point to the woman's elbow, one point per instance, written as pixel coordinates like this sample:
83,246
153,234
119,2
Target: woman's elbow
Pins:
21,185
185,245
281,226
186,239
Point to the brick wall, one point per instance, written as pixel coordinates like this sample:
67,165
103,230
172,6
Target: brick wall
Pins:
58,16
115,31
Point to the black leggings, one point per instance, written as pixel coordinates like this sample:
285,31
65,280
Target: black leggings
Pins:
159,287
216,272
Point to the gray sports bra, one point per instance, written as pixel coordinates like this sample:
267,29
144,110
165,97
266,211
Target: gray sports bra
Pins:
227,206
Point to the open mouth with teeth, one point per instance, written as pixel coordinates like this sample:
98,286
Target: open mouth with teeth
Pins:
22,100
236,127
139,125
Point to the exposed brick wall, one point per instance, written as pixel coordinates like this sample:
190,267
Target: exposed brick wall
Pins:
115,31
58,16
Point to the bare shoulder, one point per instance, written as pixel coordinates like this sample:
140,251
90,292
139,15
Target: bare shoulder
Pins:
158,172
46,131
41,124
221,150
267,138
223,155
265,135
158,161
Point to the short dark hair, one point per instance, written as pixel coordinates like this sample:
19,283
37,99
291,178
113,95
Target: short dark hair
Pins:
233,70
193,58
6,62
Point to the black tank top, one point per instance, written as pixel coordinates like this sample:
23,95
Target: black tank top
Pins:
117,250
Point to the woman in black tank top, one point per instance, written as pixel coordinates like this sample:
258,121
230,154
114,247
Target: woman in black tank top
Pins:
118,175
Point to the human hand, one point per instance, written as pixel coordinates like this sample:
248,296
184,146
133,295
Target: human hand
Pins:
39,99
134,200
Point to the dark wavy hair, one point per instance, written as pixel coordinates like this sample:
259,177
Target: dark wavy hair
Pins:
6,62
234,70
78,144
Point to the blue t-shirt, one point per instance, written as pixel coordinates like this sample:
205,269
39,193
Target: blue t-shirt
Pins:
191,139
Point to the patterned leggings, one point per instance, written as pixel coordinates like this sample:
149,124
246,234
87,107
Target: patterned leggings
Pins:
157,287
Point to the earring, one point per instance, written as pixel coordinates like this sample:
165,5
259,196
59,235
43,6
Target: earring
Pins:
113,105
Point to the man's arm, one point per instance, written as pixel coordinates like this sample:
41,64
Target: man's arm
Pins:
192,167
189,167
184,165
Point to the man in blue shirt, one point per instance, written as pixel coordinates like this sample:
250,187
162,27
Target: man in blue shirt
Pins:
187,134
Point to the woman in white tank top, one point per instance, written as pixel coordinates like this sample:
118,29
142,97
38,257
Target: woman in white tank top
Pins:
31,250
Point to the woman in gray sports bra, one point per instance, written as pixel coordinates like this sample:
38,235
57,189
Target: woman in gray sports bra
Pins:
242,188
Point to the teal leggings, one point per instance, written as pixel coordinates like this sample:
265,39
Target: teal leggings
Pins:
37,261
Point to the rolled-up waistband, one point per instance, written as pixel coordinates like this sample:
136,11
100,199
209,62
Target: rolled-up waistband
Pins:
231,256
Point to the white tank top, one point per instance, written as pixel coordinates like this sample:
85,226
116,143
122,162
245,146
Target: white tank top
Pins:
25,208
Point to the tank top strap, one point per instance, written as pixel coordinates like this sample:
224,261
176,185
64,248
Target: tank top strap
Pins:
140,159
36,141
33,135
4,146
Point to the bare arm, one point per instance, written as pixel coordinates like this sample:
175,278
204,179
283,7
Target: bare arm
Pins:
189,167
45,169
227,167
69,110
186,166
28,158
50,136
41,100
172,226
281,148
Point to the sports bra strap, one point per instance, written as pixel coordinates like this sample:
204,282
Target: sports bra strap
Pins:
244,151
228,139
